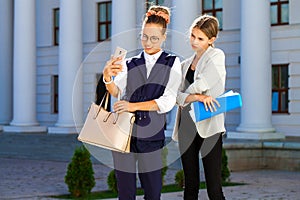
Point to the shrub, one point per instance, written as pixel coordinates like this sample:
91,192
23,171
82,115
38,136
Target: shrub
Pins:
80,175
112,181
179,178
164,161
225,171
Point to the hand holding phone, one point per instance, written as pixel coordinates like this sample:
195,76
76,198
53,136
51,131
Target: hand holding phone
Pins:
113,66
120,53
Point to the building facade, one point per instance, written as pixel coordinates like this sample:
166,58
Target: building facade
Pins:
52,53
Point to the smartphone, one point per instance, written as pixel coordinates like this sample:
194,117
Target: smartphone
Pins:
120,52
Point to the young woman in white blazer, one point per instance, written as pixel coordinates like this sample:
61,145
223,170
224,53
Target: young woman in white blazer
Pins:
203,79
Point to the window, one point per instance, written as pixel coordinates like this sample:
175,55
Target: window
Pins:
104,20
214,8
279,12
154,2
55,94
56,26
280,88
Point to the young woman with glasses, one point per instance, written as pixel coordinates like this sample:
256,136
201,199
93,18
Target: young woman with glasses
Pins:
148,83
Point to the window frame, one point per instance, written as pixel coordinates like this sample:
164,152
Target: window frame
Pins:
213,11
153,2
107,23
55,94
278,4
280,90
55,27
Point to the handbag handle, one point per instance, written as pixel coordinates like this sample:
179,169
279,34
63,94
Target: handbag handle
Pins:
115,115
106,95
106,98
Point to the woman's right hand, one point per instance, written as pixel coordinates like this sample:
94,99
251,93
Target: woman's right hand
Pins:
112,68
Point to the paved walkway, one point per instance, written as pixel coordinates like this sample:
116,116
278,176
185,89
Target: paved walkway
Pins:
33,166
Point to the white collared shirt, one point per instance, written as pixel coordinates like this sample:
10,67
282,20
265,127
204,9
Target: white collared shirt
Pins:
150,61
167,101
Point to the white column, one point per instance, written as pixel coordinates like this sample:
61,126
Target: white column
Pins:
24,83
6,61
70,75
124,32
183,15
256,113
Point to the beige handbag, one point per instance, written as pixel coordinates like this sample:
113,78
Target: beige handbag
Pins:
108,130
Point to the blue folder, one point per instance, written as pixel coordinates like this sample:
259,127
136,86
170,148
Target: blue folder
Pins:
228,101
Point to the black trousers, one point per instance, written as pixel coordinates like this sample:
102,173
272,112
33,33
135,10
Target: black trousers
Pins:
190,145
146,157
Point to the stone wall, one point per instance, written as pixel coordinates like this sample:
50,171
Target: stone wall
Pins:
251,155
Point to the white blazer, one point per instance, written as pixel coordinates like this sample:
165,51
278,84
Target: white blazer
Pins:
209,79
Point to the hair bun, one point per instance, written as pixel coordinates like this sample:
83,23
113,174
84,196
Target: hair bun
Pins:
162,14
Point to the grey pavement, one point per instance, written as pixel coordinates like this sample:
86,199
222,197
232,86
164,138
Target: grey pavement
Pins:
33,166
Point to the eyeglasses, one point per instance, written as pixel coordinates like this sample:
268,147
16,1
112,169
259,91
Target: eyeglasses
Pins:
153,39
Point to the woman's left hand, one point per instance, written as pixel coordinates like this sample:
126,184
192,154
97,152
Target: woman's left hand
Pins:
209,102
123,106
